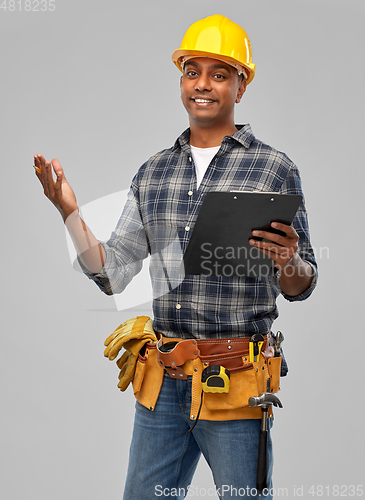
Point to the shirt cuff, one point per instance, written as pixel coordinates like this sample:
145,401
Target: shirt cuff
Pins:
103,273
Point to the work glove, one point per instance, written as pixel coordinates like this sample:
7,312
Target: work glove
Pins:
132,335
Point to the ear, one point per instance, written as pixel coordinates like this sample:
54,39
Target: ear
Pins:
181,78
241,91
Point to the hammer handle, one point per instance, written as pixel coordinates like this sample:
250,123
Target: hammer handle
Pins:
262,462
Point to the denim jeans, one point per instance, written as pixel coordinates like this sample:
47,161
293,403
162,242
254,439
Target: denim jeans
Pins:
163,456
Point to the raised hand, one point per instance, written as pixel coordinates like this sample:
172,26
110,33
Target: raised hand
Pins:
58,191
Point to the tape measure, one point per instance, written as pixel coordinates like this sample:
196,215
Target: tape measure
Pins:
215,378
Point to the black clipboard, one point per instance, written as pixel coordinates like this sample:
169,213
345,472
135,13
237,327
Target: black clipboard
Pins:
219,244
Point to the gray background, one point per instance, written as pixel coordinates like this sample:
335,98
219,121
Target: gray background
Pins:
92,84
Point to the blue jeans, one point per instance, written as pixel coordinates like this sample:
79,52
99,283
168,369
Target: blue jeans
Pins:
163,456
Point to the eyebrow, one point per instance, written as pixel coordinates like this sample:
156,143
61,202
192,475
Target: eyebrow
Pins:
213,66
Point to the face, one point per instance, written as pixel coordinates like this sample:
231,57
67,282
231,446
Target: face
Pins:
209,91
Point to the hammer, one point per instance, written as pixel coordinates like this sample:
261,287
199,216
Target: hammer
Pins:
265,400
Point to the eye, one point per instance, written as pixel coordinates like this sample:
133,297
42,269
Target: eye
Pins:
219,76
191,73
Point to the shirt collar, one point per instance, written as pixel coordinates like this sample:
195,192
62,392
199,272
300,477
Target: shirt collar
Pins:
244,136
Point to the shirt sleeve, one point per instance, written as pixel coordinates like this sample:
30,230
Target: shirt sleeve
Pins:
125,250
293,185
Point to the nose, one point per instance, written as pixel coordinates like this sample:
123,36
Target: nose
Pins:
203,83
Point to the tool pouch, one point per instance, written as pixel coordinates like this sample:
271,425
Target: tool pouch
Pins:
250,381
148,377
243,385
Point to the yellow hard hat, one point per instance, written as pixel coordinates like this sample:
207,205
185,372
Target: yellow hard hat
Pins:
217,37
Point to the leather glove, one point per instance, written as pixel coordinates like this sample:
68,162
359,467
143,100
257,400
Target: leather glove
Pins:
132,335
127,364
138,328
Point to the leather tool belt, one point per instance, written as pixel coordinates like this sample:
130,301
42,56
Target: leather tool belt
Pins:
183,358
229,353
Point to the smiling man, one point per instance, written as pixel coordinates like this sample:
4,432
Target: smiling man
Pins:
201,322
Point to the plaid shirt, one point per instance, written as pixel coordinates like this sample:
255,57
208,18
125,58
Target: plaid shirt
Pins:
162,207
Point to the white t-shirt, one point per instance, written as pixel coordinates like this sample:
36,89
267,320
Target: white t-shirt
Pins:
202,157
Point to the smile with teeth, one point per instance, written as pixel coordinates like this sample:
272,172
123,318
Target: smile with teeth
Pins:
203,100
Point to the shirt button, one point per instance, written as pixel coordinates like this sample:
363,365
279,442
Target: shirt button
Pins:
190,158
187,228
190,193
178,306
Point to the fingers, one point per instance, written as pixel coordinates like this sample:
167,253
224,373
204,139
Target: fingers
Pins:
43,170
280,248
280,255
288,230
48,180
57,168
289,239
38,165
37,171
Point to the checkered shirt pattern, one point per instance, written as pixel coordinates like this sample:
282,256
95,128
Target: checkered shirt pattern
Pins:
157,220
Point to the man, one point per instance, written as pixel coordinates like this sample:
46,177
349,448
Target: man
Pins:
164,200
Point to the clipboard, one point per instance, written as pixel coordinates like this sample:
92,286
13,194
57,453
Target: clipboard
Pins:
219,243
